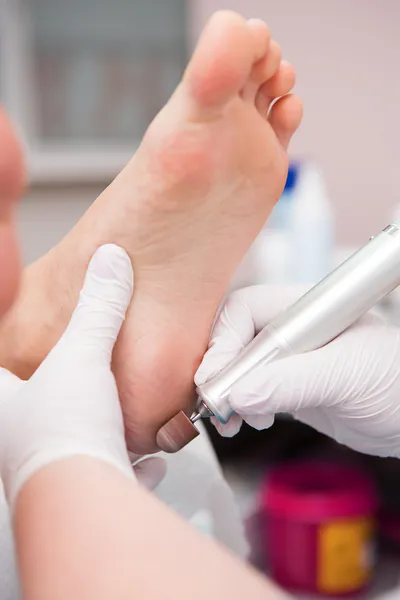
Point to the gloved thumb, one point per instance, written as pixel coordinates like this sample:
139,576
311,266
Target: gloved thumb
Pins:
103,301
286,386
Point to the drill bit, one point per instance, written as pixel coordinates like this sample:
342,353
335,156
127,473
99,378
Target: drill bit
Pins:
176,433
180,430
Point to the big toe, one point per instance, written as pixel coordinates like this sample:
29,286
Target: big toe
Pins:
224,58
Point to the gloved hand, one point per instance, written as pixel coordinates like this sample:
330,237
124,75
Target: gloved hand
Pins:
70,406
349,389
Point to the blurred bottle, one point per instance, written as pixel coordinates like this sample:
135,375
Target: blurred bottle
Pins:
280,216
311,227
267,260
276,236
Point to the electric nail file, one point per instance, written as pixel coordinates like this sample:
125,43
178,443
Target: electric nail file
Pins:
315,319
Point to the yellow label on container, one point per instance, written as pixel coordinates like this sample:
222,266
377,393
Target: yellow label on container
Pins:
344,555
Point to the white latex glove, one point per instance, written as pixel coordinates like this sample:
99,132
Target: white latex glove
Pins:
70,406
349,389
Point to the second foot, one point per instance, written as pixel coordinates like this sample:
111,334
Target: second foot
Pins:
12,180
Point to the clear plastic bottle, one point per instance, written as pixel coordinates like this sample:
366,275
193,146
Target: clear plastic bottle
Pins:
268,259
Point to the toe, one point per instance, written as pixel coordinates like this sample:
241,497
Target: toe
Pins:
231,54
263,70
221,62
260,38
285,117
268,66
280,84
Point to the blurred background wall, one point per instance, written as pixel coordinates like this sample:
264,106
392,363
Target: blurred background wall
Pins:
83,78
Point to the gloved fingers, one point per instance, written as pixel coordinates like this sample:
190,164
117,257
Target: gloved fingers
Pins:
233,329
229,429
214,361
233,426
264,302
104,299
10,384
243,315
150,471
285,386
260,421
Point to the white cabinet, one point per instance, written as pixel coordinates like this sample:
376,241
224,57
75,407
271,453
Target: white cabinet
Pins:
83,78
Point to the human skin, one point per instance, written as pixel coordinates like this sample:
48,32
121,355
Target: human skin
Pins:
186,209
83,530
12,179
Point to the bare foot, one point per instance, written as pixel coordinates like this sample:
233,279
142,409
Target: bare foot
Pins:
187,207
205,179
12,177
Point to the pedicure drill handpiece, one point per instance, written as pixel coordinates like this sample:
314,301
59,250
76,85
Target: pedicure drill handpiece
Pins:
315,319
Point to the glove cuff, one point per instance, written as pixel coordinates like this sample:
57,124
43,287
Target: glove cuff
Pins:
15,477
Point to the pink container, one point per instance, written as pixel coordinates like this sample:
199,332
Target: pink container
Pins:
319,528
